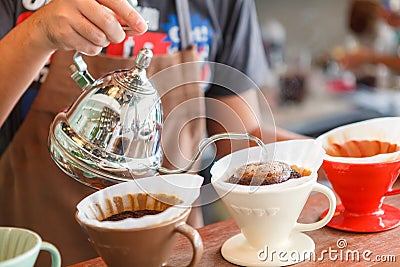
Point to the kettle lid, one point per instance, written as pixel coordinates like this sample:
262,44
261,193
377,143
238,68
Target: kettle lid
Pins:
136,79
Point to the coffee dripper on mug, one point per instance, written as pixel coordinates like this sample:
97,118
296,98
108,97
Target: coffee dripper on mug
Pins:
112,131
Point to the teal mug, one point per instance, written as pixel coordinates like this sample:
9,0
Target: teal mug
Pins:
21,247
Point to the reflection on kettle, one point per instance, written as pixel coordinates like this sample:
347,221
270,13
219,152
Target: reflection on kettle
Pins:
112,132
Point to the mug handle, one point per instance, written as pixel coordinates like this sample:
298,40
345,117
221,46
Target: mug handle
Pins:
195,239
55,254
303,227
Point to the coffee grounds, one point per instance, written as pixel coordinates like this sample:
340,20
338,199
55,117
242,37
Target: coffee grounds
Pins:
131,214
266,181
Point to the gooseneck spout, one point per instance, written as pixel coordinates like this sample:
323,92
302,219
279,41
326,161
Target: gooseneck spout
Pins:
212,139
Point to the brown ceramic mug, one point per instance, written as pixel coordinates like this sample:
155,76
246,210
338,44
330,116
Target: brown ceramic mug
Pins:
148,246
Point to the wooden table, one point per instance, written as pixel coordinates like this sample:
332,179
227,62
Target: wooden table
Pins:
383,244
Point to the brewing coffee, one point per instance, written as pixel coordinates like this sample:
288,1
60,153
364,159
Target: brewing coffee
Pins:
268,216
131,214
138,205
266,173
361,148
148,240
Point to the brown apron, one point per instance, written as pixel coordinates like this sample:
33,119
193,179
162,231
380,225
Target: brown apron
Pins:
36,194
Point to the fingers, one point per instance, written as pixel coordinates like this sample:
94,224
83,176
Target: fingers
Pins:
85,25
68,38
103,14
82,45
125,12
89,39
103,19
65,27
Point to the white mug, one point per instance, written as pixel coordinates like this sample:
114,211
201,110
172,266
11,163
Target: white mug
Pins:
21,247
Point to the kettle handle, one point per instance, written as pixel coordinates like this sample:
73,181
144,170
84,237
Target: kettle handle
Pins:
79,72
212,139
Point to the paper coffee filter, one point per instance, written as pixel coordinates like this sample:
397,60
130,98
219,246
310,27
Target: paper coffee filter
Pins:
385,129
306,154
176,190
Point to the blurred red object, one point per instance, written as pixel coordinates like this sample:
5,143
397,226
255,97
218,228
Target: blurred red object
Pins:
341,85
346,81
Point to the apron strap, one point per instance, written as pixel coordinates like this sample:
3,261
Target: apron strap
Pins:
183,12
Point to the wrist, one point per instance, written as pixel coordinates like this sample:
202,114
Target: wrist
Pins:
40,37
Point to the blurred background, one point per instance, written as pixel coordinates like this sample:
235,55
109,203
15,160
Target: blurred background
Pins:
309,42
310,24
332,63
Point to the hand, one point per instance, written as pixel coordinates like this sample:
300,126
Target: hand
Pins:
85,25
357,58
391,17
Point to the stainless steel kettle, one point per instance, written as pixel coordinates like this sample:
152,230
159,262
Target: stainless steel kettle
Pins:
112,132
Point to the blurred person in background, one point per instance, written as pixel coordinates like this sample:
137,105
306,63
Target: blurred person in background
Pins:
375,38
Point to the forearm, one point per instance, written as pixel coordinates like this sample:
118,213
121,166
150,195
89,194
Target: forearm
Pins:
271,133
390,61
241,114
23,53
267,133
361,57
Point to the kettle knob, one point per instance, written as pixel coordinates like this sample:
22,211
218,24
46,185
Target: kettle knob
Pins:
143,58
